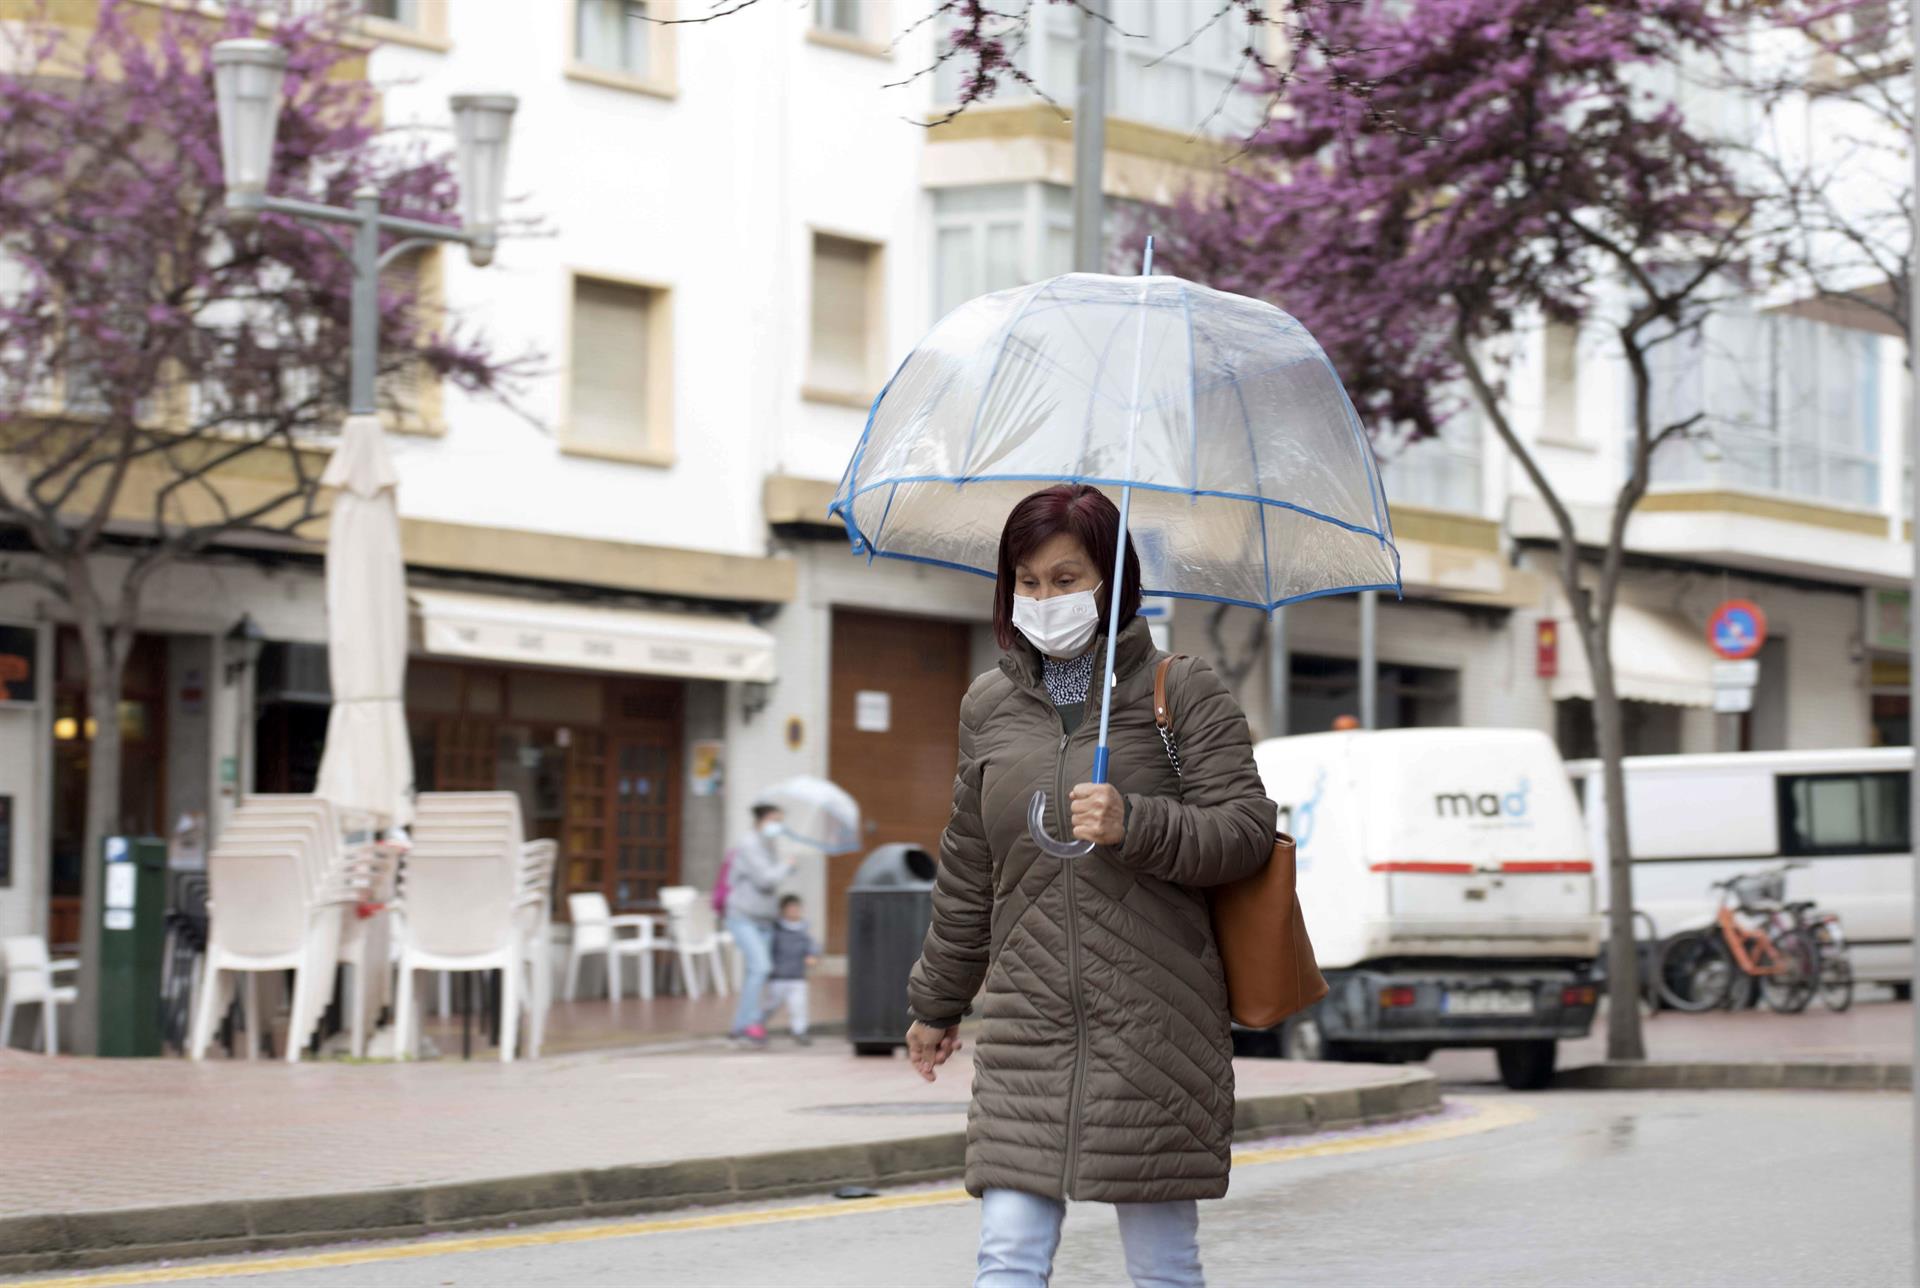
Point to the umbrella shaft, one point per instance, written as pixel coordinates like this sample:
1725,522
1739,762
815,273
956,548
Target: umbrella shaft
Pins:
1120,538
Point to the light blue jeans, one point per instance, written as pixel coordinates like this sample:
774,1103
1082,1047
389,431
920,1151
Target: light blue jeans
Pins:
1019,1232
754,939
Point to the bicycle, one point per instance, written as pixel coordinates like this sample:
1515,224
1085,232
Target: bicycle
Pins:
1836,965
1699,968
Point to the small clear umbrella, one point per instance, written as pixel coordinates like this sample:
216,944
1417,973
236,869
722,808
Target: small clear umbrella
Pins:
1242,470
818,813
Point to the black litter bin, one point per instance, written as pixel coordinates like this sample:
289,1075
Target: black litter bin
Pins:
889,907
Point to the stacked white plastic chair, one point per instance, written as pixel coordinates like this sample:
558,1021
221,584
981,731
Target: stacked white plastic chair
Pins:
534,914
694,937
597,932
364,877
465,904
280,885
29,976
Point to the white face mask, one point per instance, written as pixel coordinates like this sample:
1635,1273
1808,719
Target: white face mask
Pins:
771,828
1061,626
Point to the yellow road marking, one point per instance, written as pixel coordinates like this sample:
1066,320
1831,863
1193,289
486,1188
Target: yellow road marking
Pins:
1486,1117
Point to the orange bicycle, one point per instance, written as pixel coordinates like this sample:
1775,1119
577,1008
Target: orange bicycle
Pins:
1756,933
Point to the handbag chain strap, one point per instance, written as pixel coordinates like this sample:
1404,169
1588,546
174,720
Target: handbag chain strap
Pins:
1162,717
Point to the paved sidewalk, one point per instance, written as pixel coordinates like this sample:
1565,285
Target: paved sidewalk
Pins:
1872,1032
86,1135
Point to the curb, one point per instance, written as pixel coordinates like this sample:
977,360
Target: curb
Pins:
1764,1075
83,1240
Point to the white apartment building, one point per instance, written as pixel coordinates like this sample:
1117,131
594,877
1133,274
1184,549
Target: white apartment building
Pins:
632,607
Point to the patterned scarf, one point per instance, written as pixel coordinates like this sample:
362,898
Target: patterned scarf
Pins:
1068,682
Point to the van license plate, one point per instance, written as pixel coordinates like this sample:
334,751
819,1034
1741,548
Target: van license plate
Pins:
1487,1001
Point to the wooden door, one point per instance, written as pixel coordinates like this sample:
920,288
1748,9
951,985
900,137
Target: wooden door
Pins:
643,792
466,755
901,774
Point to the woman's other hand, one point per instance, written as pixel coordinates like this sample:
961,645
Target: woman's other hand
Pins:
929,1047
1099,814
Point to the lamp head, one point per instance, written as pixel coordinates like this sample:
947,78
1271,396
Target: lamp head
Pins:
481,126
247,79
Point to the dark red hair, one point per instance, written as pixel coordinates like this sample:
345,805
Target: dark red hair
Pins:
1092,520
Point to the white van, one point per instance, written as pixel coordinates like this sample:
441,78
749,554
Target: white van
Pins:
1694,820
1449,891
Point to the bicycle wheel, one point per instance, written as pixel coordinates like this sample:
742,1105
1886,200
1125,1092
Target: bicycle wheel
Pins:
1696,974
1836,976
1789,991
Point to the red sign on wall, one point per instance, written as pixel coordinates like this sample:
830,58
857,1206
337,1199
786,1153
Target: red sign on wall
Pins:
16,664
1546,649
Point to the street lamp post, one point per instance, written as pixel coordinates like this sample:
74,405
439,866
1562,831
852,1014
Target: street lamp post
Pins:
247,77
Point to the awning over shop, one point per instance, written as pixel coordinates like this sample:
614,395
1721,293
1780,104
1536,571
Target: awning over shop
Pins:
532,633
1657,657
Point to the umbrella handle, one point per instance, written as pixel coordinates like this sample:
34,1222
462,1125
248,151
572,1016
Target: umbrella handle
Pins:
1037,826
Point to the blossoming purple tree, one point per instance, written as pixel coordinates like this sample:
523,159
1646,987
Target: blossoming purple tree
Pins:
170,383
1513,163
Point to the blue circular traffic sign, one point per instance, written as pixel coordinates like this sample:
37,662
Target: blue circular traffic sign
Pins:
1737,629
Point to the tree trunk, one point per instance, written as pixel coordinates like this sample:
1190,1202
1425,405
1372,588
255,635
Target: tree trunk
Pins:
106,648
1624,1038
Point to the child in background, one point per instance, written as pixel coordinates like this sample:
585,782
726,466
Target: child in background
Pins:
793,951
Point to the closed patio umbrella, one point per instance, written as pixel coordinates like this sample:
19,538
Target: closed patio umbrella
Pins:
367,768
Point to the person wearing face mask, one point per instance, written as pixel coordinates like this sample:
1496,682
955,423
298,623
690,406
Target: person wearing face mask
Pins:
754,873
1103,1061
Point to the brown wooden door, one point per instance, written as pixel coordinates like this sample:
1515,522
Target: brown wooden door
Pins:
643,792
902,775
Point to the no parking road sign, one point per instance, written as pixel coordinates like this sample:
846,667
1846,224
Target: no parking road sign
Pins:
1737,629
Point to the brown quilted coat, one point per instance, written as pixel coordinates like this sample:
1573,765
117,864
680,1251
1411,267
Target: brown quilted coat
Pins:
1102,1066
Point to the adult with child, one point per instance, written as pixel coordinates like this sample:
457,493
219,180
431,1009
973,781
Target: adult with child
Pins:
1103,1067
755,870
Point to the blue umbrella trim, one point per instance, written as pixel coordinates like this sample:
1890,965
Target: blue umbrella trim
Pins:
841,505
843,510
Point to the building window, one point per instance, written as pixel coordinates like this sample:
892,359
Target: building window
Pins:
405,13
842,17
1646,728
1560,379
619,395
1322,689
1179,64
1439,472
996,236
847,346
1843,813
614,36
1787,404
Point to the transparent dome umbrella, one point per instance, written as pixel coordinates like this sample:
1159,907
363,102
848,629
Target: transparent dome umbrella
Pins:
1241,469
818,813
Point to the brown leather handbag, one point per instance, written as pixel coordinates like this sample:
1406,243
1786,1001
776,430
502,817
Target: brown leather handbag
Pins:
1257,923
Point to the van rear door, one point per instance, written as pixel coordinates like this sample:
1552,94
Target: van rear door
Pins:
1481,842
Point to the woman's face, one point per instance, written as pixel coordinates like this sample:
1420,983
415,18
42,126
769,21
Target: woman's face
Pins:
1059,565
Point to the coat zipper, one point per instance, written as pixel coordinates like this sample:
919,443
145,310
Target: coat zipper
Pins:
1077,1087
1072,879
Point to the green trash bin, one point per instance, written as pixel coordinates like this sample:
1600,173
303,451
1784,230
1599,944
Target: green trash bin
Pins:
133,921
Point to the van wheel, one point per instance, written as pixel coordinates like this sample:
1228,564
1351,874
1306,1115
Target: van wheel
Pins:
1902,992
1302,1039
1526,1066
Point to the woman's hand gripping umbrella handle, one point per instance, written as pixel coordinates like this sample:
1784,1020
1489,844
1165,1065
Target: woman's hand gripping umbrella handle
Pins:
1037,809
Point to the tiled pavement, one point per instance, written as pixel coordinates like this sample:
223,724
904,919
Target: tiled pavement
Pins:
83,1135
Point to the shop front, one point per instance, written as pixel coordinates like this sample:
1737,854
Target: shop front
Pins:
591,715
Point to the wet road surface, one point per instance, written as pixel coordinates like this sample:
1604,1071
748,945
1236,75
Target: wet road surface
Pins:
1652,1188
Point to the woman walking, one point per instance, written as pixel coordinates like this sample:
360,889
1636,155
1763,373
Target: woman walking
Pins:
1103,1069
